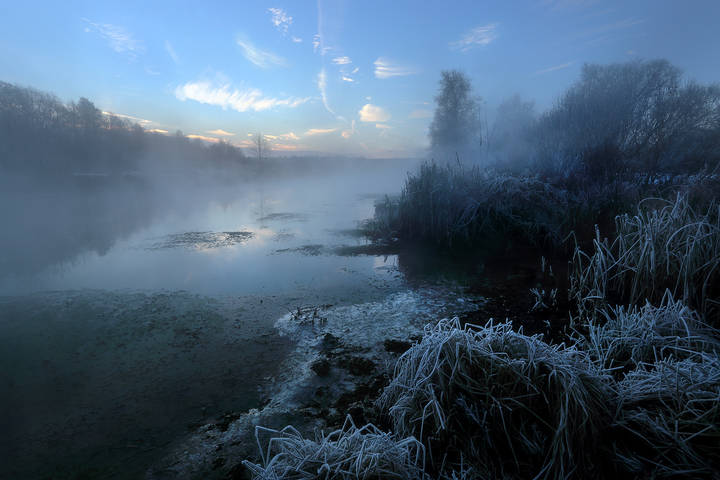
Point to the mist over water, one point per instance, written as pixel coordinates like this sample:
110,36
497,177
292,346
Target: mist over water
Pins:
259,236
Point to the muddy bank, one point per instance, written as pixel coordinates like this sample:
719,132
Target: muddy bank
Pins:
339,364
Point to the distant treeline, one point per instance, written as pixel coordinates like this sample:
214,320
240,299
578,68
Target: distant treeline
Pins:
42,136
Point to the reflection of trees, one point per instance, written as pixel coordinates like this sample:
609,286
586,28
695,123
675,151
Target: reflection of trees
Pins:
48,228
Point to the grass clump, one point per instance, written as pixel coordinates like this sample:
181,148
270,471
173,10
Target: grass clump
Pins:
667,248
347,453
504,402
626,338
671,410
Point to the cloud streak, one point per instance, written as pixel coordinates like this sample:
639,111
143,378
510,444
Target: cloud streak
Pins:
385,68
320,131
117,38
220,132
479,36
553,68
322,86
171,51
225,96
204,138
259,57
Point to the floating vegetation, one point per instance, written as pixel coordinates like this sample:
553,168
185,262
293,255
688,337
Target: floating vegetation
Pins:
284,217
201,240
312,250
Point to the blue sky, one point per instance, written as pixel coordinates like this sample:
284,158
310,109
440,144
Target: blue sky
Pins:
350,77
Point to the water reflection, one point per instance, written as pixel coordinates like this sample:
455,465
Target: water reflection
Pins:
209,238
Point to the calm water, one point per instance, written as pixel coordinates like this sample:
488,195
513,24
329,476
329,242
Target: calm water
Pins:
258,238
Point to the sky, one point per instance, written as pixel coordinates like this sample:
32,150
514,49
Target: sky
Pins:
351,77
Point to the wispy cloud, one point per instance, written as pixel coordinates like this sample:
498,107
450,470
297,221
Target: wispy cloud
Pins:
117,37
157,130
477,37
320,131
280,19
345,78
316,42
288,136
203,138
373,113
342,60
322,86
385,68
259,57
350,132
225,96
296,39
383,126
141,121
171,51
220,132
420,113
553,68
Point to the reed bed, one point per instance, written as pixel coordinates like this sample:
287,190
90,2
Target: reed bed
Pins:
668,248
347,453
506,403
455,205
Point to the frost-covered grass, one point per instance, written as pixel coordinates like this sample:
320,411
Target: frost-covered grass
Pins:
672,247
638,396
347,453
671,409
504,402
626,338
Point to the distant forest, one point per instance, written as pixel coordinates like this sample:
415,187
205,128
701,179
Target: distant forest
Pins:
42,136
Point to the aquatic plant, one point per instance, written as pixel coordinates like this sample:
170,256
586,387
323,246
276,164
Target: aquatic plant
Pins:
672,247
504,402
347,453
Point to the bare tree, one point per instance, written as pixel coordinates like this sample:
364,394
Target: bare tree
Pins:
261,146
